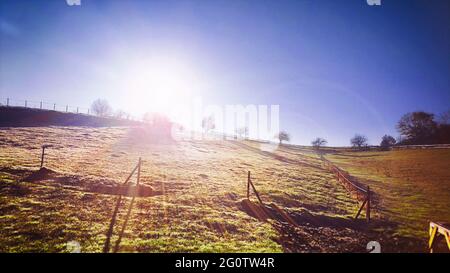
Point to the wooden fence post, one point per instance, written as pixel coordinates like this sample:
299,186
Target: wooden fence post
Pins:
42,156
360,209
139,172
368,204
116,209
255,191
248,185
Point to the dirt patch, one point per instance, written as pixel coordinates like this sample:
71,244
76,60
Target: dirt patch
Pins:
39,175
255,210
126,190
50,177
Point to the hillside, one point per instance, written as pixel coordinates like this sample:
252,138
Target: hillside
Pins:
28,117
414,184
197,200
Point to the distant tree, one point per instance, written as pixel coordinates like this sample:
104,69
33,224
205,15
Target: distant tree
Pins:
283,136
120,114
387,141
156,127
443,134
208,124
444,118
319,142
101,108
359,141
443,128
242,132
417,127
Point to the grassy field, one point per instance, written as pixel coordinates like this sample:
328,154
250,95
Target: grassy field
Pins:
203,184
414,185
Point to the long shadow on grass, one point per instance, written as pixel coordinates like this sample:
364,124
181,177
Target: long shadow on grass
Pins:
275,156
357,156
79,183
306,232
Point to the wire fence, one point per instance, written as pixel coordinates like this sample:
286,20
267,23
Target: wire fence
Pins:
43,105
50,106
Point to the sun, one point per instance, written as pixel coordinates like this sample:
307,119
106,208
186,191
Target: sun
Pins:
162,85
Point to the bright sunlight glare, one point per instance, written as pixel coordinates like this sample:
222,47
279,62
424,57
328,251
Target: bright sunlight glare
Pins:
160,85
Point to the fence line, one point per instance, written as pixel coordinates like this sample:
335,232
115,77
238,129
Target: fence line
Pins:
362,194
43,105
413,147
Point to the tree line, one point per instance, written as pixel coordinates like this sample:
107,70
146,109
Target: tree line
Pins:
415,128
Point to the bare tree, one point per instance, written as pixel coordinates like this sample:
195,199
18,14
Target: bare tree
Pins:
208,124
283,136
101,108
242,132
120,114
359,141
319,142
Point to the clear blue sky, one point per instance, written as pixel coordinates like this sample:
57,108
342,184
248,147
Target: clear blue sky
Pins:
336,68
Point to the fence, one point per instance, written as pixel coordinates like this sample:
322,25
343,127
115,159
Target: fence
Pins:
361,192
106,247
136,170
415,147
44,106
266,210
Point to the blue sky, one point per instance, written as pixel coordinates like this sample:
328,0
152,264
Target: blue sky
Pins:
336,68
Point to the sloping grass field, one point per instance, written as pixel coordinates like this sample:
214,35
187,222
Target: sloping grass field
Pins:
414,185
200,185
